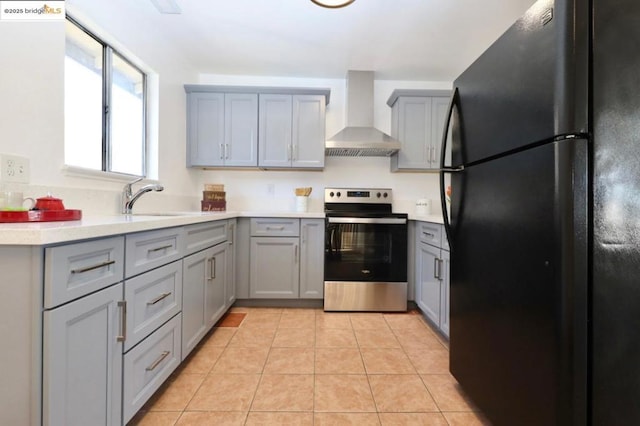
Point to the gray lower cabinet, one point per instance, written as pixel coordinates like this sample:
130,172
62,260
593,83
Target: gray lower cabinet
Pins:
203,293
83,333
286,259
312,258
82,361
149,364
275,267
432,274
417,121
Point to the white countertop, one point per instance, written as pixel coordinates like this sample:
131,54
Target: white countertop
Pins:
41,233
429,218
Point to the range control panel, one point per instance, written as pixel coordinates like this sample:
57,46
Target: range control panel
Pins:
358,195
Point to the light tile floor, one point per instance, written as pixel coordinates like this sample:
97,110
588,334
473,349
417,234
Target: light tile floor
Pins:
308,367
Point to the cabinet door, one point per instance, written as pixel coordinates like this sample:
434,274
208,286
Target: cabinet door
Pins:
439,112
274,137
230,291
312,258
241,130
444,292
414,133
428,285
82,361
308,137
216,278
205,129
194,320
274,268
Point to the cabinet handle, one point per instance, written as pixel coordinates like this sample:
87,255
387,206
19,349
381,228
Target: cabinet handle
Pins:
92,267
168,246
232,229
295,258
304,234
294,152
159,298
222,151
275,228
437,269
428,234
122,304
212,269
157,362
226,151
289,152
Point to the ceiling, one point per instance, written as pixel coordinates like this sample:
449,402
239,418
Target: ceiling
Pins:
429,40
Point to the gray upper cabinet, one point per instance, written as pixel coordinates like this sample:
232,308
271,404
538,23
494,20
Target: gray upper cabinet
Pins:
267,127
275,131
417,121
308,133
205,129
292,131
240,129
222,129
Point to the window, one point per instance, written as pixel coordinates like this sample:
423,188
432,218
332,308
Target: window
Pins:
104,106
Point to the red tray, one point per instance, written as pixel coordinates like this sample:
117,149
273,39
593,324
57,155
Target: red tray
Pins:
40,215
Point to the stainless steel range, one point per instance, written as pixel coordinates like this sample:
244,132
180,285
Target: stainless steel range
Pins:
365,266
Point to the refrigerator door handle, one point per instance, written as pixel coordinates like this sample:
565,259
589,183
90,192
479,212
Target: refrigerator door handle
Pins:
445,211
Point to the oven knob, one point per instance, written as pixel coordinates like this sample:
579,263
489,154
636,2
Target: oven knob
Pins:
338,194
386,195
331,194
379,195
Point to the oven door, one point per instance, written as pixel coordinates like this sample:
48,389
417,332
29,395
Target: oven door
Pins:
366,249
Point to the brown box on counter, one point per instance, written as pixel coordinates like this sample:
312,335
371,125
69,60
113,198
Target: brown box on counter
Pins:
213,196
213,206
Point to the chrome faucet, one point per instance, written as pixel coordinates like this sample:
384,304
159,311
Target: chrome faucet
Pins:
129,198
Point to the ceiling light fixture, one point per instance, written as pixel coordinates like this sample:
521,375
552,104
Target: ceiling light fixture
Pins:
333,4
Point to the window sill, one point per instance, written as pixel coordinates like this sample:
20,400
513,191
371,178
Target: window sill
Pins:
81,172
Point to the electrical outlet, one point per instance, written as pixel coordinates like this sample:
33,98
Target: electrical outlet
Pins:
14,168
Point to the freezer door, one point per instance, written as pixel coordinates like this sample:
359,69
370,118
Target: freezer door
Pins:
518,285
528,87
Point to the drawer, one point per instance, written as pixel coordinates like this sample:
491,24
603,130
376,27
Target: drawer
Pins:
275,227
77,269
430,233
204,235
152,298
148,250
149,364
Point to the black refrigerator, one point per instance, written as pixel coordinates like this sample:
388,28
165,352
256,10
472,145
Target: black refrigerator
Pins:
544,219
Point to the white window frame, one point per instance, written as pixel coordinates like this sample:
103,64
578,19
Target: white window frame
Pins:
151,111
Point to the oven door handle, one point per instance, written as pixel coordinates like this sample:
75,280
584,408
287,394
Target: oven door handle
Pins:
369,220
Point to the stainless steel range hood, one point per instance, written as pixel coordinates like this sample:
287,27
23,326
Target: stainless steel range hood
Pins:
360,138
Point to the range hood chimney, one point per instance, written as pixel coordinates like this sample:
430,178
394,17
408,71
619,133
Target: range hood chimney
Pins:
360,138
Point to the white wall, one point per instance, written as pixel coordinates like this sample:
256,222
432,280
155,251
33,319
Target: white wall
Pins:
32,124
32,109
249,190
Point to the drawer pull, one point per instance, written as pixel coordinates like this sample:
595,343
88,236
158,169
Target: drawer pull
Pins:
159,248
275,228
122,304
159,298
92,267
428,234
157,362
